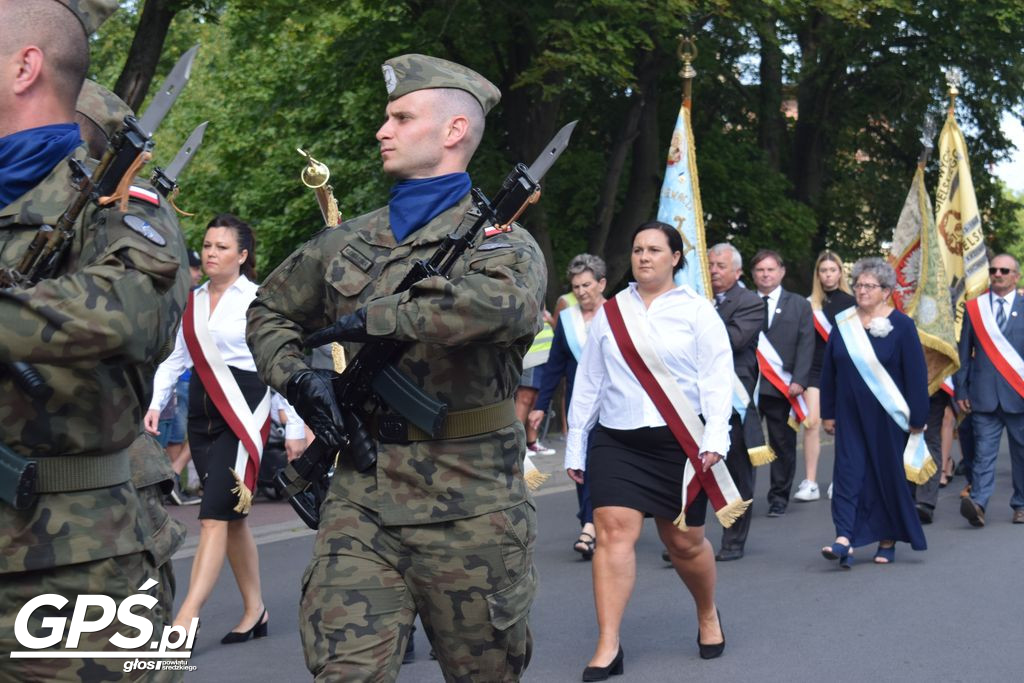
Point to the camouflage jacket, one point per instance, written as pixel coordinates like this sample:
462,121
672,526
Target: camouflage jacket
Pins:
96,334
470,332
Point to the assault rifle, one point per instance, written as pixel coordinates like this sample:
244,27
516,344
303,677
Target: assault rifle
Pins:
129,148
371,378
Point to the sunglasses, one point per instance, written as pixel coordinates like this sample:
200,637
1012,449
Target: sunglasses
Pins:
1001,271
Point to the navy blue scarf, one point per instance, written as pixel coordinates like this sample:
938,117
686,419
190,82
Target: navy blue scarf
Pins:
414,203
28,156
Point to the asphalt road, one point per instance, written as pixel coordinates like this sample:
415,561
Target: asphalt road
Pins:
952,613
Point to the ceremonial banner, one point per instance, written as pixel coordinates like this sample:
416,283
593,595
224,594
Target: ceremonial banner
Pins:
679,205
958,222
922,289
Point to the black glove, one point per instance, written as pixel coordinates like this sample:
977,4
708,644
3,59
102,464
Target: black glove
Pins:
311,394
351,327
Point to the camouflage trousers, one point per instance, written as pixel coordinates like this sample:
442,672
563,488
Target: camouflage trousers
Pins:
471,581
115,577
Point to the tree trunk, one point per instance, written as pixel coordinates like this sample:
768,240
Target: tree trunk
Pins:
771,131
645,173
144,54
598,239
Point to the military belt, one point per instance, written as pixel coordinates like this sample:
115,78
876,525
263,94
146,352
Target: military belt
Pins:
64,473
391,428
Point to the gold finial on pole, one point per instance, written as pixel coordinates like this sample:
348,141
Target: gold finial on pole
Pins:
954,79
315,176
687,52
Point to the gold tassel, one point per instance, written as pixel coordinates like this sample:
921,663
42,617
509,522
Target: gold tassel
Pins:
793,424
920,476
243,493
338,357
680,521
533,476
728,515
761,455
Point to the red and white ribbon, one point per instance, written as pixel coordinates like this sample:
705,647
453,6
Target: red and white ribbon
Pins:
821,324
996,346
770,363
251,427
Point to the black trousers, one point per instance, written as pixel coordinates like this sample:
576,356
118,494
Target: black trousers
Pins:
928,492
742,473
782,439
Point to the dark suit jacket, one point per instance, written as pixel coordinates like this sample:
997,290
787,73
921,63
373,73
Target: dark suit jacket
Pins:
978,379
742,311
792,335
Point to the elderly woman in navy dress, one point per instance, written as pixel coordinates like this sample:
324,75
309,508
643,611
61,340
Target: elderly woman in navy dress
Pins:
874,398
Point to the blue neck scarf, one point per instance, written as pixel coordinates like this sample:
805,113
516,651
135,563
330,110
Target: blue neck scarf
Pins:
28,156
414,203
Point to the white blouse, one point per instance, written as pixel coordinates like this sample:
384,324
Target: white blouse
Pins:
227,327
690,338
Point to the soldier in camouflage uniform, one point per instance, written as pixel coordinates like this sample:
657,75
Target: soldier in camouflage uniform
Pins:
440,528
95,333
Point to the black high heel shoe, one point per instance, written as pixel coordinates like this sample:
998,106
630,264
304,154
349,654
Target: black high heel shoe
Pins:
257,631
601,673
716,649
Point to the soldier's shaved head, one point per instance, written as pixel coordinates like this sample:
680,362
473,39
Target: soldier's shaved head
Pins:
450,102
54,29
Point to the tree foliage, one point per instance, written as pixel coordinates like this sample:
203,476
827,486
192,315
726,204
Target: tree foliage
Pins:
861,75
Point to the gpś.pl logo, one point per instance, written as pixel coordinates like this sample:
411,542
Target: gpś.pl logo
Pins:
143,651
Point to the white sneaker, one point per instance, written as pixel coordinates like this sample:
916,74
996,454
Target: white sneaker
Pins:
807,491
537,448
830,491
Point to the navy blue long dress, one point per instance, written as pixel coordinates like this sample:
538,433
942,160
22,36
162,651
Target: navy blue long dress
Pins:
871,498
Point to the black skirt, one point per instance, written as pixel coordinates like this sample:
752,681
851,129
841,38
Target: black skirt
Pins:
640,469
214,446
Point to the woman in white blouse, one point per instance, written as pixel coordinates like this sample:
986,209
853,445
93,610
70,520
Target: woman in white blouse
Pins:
228,256
635,463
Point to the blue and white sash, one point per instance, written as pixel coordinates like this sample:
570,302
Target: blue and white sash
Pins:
571,320
917,461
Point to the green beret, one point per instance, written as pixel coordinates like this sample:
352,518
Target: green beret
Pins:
90,13
102,107
409,73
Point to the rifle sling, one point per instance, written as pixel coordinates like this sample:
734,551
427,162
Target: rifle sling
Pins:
391,428
64,473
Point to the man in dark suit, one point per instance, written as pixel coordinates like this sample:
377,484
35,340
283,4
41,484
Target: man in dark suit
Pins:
790,329
742,311
983,391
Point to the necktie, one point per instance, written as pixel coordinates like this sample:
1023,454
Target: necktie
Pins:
1001,315
719,298
765,313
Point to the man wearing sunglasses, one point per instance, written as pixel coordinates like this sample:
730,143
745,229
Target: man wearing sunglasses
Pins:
990,385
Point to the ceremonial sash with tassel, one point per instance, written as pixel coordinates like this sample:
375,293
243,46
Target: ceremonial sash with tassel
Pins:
251,428
753,438
996,346
917,461
656,379
770,363
821,324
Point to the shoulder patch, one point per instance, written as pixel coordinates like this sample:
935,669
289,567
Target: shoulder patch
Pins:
144,195
142,226
361,261
492,245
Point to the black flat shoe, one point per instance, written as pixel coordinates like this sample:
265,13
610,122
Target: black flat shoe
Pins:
716,649
601,673
257,631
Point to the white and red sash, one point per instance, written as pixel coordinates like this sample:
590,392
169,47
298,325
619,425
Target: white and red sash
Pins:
684,423
251,427
770,363
996,346
821,324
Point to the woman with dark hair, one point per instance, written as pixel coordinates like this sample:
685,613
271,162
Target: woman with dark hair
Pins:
228,421
874,398
649,385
